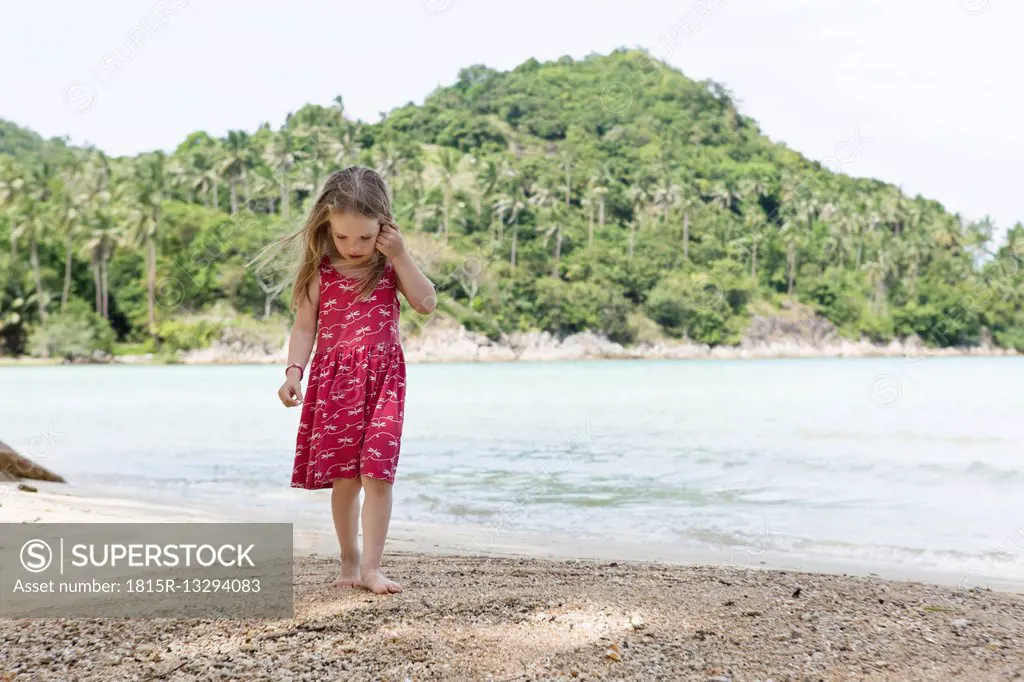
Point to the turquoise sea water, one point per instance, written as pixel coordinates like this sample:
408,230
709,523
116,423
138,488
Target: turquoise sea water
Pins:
886,461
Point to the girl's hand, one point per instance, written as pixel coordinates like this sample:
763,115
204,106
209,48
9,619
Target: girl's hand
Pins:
290,392
389,241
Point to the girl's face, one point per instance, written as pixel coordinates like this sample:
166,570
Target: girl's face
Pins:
354,235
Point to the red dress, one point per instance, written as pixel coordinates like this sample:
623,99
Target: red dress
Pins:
352,414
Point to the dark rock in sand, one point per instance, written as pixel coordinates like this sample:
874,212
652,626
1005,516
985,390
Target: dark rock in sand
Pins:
14,467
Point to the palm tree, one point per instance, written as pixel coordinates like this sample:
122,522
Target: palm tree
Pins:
842,233
149,184
949,232
877,273
1013,249
588,202
203,175
892,207
912,247
40,181
665,196
344,146
313,152
790,233
84,184
874,216
180,176
856,232
448,164
424,208
595,198
67,202
339,106
506,210
33,228
687,203
544,199
12,191
637,196
600,180
475,188
388,160
280,156
104,234
718,193
267,186
511,202
913,244
566,164
237,159
802,209
753,222
487,181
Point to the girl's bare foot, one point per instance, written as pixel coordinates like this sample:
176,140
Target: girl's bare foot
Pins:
378,583
349,576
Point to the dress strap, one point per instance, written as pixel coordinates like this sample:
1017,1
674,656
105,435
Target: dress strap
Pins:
325,275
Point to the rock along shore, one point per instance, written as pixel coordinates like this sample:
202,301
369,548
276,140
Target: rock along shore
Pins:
767,338
446,341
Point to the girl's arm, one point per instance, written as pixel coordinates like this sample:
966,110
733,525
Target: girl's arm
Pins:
418,290
413,284
300,344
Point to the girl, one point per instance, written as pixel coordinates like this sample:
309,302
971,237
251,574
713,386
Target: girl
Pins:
353,264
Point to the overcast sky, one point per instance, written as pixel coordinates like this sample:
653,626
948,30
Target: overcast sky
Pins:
930,90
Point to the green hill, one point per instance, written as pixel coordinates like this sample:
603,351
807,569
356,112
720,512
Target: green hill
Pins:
611,194
17,140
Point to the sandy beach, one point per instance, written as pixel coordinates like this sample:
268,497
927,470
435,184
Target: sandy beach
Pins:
518,612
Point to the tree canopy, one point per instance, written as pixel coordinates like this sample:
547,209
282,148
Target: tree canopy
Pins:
611,194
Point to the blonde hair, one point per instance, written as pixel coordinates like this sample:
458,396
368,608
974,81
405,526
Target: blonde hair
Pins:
355,189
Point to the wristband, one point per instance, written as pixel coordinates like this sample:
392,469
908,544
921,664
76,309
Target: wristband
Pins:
294,364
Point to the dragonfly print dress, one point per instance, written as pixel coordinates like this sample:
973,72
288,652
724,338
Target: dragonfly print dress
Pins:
354,406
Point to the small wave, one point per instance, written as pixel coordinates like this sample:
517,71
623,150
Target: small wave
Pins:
976,469
998,564
910,471
465,511
902,436
991,471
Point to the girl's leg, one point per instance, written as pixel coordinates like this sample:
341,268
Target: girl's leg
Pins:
376,519
345,510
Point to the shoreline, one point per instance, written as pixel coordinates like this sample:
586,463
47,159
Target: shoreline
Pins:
513,615
64,503
792,333
543,347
